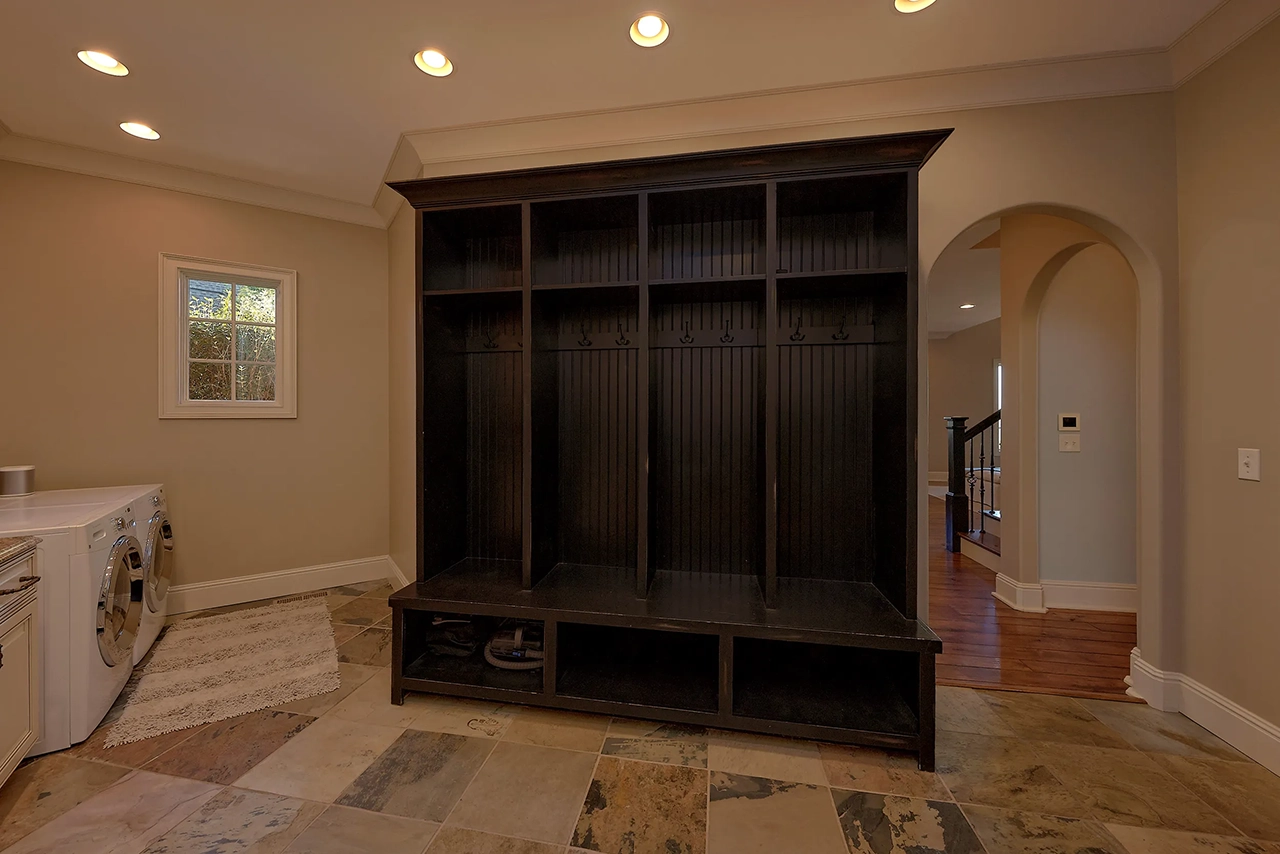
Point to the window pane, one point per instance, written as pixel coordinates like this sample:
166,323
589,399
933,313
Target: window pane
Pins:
255,382
208,299
257,305
209,382
255,343
209,340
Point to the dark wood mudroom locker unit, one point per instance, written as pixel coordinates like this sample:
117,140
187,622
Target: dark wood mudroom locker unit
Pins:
668,414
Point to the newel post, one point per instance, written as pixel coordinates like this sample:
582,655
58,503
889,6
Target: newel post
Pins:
957,499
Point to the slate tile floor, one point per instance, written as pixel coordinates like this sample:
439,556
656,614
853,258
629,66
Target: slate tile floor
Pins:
348,772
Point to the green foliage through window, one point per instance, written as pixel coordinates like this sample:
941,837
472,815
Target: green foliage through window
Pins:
221,314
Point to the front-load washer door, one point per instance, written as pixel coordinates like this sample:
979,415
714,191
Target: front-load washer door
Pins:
120,602
157,560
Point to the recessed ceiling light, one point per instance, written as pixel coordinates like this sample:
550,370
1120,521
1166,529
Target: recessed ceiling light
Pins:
650,30
968,305
103,62
139,130
910,6
433,62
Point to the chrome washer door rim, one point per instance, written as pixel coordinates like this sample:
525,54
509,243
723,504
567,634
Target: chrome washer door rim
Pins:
120,602
157,560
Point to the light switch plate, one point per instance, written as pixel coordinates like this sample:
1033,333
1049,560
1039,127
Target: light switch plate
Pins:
1069,443
1249,464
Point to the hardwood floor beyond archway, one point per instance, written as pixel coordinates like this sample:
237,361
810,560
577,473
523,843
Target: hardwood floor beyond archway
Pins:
987,644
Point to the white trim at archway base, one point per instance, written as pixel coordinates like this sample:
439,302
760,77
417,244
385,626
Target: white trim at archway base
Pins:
1255,737
1069,595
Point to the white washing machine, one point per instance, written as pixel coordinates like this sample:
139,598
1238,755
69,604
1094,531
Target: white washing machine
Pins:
91,593
155,534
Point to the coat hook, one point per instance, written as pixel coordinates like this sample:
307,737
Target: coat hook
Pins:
726,338
490,342
797,335
585,341
687,337
623,340
840,334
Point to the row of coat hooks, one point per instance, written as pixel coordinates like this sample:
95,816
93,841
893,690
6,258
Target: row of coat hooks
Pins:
840,333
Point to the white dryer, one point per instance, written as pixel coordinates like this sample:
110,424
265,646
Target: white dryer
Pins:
91,594
155,534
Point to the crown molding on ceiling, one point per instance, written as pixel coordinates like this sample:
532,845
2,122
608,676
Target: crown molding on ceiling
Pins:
1217,33
101,164
679,127
403,166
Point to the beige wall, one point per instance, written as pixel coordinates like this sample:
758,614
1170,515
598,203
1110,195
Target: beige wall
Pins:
78,298
401,337
961,382
1228,133
1088,502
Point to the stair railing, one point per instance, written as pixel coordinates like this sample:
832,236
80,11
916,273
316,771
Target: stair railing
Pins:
972,454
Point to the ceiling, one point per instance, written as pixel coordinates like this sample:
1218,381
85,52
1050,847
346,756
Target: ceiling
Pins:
314,97
965,275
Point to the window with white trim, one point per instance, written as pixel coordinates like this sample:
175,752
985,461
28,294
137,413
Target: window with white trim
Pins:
227,340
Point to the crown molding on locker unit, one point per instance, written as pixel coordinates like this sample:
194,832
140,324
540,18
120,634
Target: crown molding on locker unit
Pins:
681,127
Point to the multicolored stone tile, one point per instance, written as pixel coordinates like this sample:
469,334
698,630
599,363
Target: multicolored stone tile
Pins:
371,703
353,676
1126,788
126,816
421,775
669,751
552,728
1246,794
1009,832
223,752
868,769
340,830
40,791
459,840
239,822
754,815
1046,718
888,824
765,756
322,760
364,611
1154,731
479,718
527,791
965,710
1145,840
371,647
133,755
1002,772
638,806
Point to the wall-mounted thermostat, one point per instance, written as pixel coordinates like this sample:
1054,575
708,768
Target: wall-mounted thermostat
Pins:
1068,422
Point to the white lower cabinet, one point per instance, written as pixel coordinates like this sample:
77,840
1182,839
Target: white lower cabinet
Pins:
19,663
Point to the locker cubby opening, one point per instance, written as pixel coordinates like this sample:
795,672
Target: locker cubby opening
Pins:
840,354
706,428
837,686
586,241
472,248
642,667
440,647
472,451
586,396
831,225
714,233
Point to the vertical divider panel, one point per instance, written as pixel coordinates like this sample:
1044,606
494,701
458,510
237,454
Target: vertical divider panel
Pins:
643,576
913,384
526,366
726,675
771,397
420,373
549,647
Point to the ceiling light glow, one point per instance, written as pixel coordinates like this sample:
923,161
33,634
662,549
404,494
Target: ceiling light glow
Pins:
433,62
650,30
968,305
104,62
909,6
139,130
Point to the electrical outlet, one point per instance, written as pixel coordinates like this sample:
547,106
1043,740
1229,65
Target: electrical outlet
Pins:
1069,443
1249,464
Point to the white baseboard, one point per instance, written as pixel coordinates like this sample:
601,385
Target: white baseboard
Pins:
272,585
1019,596
977,553
1252,735
1090,596
398,578
936,477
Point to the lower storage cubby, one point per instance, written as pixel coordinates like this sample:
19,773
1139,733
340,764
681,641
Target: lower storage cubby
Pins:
640,667
451,648
871,690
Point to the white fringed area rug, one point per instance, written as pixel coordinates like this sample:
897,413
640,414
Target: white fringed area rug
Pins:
207,669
